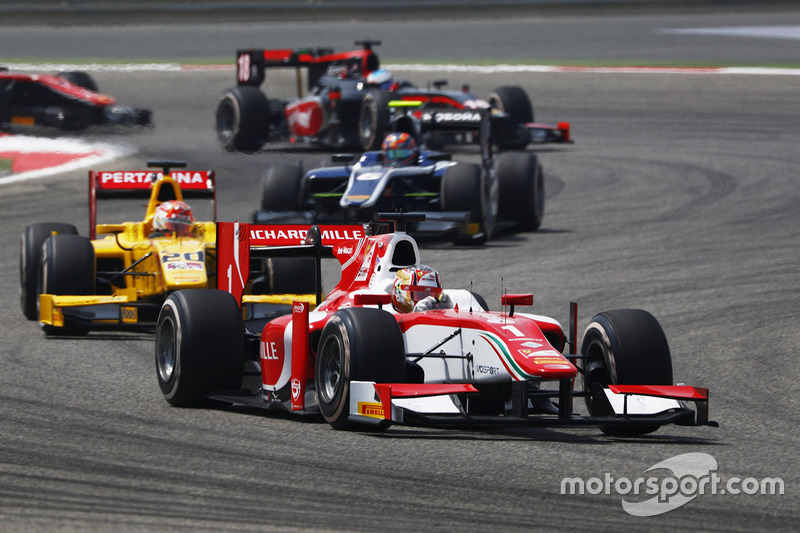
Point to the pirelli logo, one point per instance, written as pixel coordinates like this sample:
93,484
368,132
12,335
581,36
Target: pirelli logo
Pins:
372,410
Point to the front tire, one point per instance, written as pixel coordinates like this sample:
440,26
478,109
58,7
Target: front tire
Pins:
357,344
67,268
625,347
521,183
242,119
30,259
199,345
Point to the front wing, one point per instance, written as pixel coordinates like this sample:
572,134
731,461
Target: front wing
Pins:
436,404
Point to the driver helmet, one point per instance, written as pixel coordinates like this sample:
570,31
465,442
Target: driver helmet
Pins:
400,149
174,217
412,284
380,78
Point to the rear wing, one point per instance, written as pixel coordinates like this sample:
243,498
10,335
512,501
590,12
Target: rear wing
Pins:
251,63
159,186
238,243
432,118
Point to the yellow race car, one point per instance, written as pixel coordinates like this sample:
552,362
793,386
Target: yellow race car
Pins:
118,276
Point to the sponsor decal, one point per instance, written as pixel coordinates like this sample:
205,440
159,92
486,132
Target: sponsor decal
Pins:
298,307
363,272
344,250
491,370
370,409
295,389
537,360
305,118
182,265
338,71
262,235
129,314
453,116
270,350
369,176
356,197
139,177
549,354
531,344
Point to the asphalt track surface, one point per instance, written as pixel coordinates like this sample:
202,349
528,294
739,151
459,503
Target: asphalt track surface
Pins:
679,196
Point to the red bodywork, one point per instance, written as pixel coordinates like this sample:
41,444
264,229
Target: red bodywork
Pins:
62,86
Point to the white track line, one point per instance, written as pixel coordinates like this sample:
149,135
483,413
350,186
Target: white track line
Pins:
87,154
419,67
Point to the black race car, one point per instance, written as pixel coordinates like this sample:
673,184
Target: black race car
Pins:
68,101
346,104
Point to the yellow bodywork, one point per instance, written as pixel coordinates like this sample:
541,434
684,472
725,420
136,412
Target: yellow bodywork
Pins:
151,268
148,267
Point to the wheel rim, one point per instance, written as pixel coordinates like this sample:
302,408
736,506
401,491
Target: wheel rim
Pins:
367,124
225,121
596,353
331,369
166,350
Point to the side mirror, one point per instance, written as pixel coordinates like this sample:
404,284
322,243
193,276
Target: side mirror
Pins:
372,299
516,299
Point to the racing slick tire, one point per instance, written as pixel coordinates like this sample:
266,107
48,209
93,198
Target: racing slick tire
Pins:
373,119
79,78
67,268
514,102
30,259
521,189
242,119
282,188
463,189
625,347
357,344
199,345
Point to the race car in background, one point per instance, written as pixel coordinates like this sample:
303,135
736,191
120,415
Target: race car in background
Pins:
67,101
117,277
361,363
345,103
463,201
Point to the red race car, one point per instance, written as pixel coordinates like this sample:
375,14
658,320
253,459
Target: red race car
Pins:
389,345
68,101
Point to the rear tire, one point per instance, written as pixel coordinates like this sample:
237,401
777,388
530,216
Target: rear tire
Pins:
282,188
67,268
242,119
463,190
79,78
199,345
357,344
30,259
521,183
514,102
625,347
373,120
